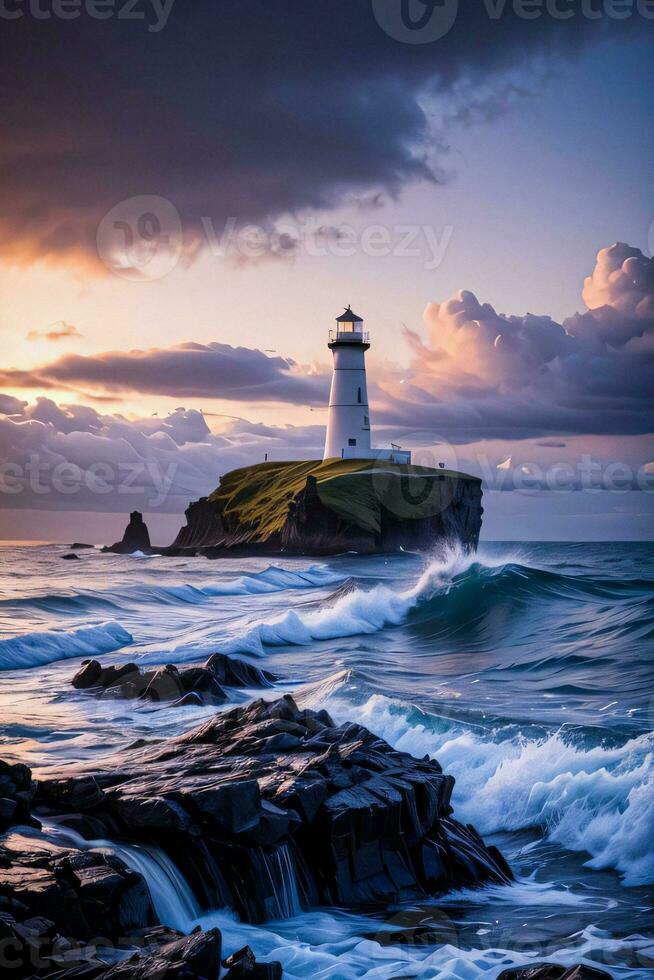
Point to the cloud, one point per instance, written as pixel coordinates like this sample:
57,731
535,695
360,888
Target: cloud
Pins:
478,374
10,405
69,457
482,374
57,331
188,370
232,123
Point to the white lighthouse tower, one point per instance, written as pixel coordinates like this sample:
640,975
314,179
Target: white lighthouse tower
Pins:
348,419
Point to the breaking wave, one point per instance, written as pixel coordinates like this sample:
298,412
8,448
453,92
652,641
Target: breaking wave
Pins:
451,589
33,649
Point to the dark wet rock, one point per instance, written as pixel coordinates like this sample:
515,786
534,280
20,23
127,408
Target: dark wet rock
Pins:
84,893
93,674
16,793
552,971
243,965
167,683
135,538
69,914
190,957
186,685
38,950
267,799
79,545
232,672
70,557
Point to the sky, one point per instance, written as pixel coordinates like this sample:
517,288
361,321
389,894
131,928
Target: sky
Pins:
189,199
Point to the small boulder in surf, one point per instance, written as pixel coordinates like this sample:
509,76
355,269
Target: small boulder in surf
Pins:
238,673
188,685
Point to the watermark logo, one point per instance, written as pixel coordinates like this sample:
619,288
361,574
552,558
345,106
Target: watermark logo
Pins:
405,494
416,21
141,238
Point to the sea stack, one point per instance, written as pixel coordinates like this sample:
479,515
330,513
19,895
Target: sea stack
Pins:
135,538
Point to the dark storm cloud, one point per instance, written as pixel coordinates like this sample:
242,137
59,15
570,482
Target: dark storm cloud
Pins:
185,371
239,108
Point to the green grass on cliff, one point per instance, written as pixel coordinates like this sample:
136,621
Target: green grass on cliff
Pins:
258,496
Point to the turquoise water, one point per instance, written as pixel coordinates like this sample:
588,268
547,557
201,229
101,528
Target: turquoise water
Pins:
526,670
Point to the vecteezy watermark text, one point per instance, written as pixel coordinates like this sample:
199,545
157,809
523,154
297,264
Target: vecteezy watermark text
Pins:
426,21
142,239
153,13
39,477
318,240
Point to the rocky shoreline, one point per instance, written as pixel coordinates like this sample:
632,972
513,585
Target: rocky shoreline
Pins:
266,808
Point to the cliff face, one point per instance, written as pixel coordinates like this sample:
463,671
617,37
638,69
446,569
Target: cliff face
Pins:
325,508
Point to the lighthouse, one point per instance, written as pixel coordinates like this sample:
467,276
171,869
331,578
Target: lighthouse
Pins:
348,419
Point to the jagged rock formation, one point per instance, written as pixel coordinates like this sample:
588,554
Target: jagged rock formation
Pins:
266,801
552,971
16,794
69,914
314,508
188,685
204,528
83,893
252,800
135,538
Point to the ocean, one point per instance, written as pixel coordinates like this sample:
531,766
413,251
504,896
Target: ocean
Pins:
526,670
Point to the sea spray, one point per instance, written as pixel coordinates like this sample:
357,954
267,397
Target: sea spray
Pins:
598,799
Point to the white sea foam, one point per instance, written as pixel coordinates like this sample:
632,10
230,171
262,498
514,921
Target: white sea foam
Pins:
325,945
596,799
32,649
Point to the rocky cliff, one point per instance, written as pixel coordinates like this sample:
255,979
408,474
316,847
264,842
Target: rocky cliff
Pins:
329,507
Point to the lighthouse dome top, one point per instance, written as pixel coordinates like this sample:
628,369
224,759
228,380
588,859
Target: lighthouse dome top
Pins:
349,317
